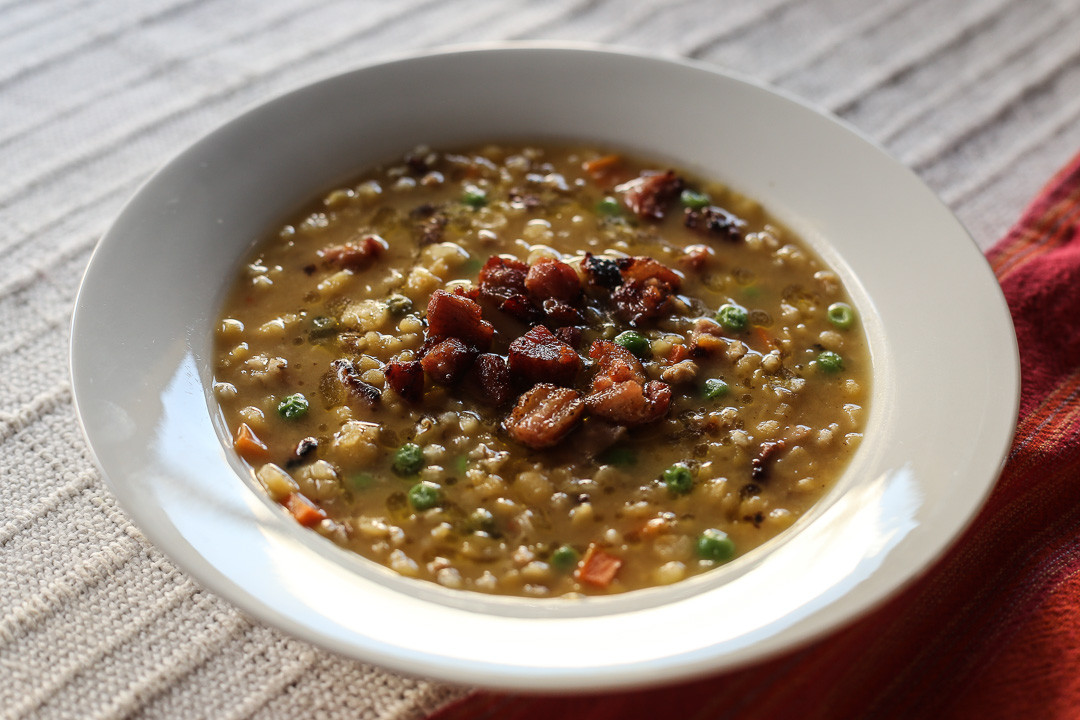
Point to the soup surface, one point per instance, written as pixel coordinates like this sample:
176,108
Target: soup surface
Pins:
541,371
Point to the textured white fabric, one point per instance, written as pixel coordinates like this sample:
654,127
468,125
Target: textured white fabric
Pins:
979,97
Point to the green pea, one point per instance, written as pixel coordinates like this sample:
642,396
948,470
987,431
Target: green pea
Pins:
694,200
635,342
474,197
323,326
424,495
399,305
841,315
732,317
564,558
715,387
679,479
293,406
609,206
830,362
715,544
409,459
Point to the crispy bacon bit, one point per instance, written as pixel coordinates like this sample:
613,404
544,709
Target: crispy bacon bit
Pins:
544,415
348,375
303,449
489,378
447,361
640,268
761,465
715,221
406,378
502,277
539,356
601,272
556,312
629,402
502,282
355,254
636,302
617,364
647,287
620,392
570,334
697,257
549,278
649,195
450,315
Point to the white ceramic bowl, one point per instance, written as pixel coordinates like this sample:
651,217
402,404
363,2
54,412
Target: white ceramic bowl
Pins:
942,413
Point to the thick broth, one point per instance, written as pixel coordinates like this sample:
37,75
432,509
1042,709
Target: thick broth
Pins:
752,372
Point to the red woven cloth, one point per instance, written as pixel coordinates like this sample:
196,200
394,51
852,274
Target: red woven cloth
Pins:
993,629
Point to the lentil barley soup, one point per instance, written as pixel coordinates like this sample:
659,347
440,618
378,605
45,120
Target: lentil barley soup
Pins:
541,371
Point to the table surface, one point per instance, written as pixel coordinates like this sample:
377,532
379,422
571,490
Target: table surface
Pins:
981,98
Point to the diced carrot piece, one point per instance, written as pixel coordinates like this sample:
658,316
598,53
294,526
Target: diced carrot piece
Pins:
598,567
305,511
601,164
764,338
606,171
677,354
248,444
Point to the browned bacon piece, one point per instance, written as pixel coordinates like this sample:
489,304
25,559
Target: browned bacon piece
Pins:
539,356
406,378
489,379
502,277
641,268
717,221
616,363
450,315
355,254
447,361
549,278
570,334
557,313
502,282
761,465
647,287
544,415
649,195
629,402
638,301
347,373
601,272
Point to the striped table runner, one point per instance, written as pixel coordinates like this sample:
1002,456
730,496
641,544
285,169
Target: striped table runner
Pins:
993,630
